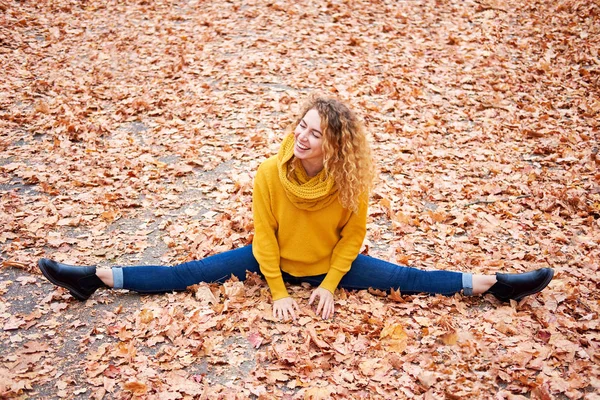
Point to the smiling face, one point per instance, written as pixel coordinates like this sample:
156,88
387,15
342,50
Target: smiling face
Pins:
308,147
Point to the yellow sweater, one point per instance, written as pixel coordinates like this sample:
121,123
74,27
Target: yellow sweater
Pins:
298,241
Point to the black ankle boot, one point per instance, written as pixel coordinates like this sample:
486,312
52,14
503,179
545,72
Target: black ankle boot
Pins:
517,286
82,282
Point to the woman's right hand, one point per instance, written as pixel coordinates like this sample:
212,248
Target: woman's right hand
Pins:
285,308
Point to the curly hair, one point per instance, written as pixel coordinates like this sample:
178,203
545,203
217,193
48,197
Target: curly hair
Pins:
347,153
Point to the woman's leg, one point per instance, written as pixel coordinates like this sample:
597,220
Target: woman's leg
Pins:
106,276
216,268
378,274
482,283
368,272
82,281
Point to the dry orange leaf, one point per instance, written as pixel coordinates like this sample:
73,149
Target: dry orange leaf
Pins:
394,337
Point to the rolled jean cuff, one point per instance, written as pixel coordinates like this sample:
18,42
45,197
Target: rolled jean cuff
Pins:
117,277
467,283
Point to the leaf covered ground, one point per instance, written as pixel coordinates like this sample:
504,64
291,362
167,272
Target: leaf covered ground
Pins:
130,132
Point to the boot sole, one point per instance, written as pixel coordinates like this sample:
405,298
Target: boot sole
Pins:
71,289
539,288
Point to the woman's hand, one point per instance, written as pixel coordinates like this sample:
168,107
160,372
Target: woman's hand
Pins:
326,304
285,308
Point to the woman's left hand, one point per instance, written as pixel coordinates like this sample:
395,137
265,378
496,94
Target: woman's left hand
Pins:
326,305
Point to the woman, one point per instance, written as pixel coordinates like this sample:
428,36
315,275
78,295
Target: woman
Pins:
310,215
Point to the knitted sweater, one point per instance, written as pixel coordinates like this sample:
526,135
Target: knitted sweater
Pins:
298,241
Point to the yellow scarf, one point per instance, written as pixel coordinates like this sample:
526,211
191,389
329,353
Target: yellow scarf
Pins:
305,192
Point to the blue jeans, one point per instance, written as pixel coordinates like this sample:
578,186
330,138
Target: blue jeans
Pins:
366,272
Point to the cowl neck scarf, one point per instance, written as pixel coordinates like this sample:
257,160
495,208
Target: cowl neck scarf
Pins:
305,192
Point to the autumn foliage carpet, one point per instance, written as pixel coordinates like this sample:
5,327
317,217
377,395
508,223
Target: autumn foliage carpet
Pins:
130,132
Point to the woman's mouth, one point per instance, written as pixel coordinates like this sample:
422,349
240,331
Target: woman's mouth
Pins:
301,146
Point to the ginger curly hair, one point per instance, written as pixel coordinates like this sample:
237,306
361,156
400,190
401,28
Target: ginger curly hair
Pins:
347,153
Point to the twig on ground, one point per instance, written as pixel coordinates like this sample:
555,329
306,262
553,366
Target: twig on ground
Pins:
494,201
485,6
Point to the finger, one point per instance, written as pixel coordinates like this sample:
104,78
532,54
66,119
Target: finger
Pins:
331,311
293,313
296,306
286,313
312,298
326,312
321,305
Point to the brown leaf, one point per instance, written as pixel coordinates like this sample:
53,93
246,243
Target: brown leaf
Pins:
16,264
137,388
427,379
319,393
203,294
24,280
449,338
396,296
277,376
315,338
13,323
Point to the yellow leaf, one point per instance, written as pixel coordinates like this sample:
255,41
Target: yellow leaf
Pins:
394,337
146,316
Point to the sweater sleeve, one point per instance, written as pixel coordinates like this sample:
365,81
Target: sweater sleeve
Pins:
347,248
265,246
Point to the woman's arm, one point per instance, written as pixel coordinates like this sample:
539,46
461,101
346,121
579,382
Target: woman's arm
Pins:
344,253
265,246
347,248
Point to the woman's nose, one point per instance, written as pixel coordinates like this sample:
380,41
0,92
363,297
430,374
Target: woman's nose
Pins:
303,134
